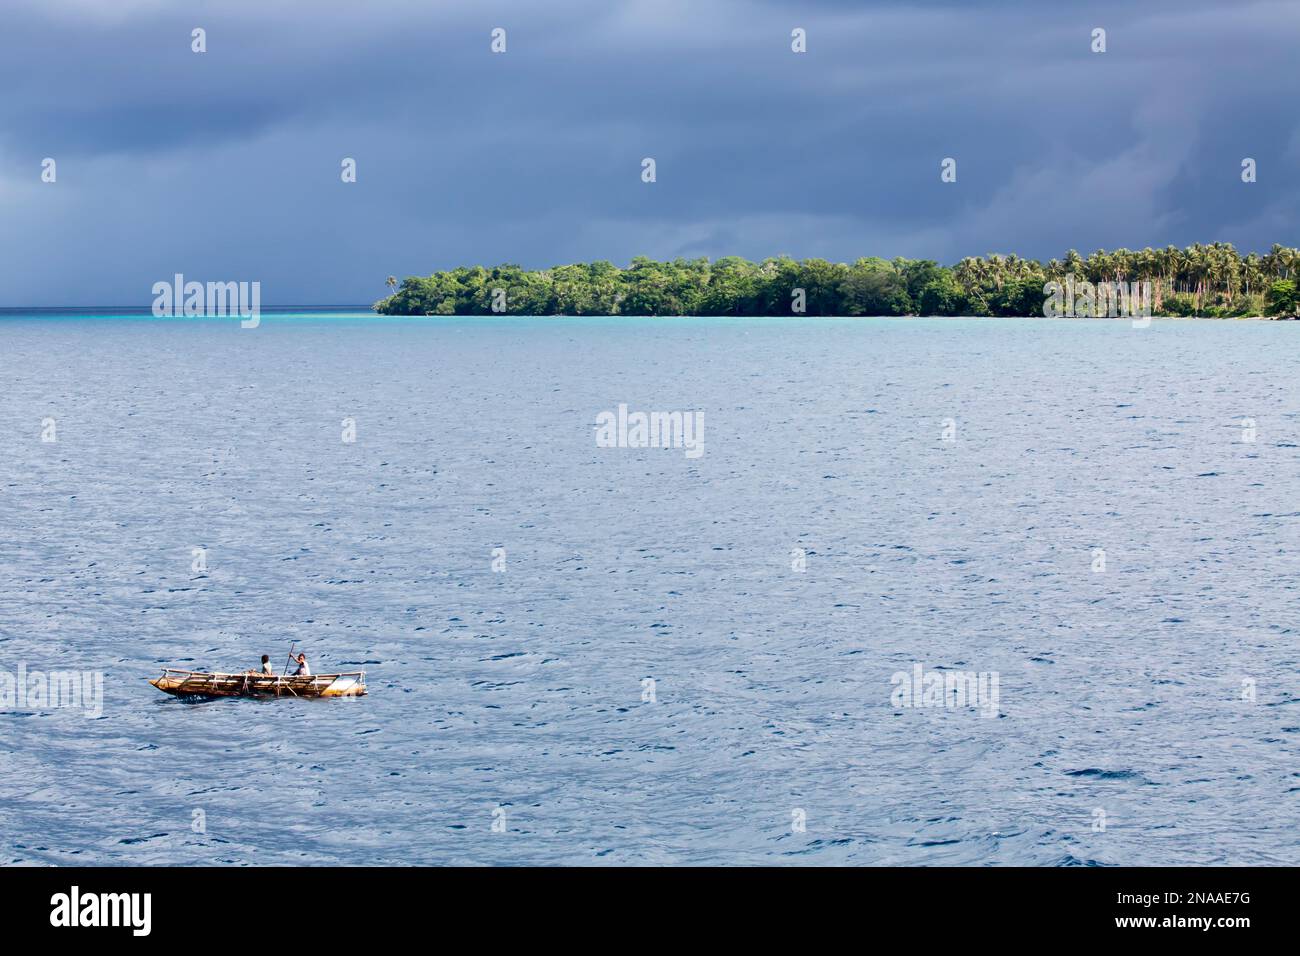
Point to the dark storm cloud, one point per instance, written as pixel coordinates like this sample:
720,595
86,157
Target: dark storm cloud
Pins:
225,165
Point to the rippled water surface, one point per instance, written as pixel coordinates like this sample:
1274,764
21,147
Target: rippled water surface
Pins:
1126,732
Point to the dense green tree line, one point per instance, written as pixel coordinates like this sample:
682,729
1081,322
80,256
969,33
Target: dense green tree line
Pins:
1205,280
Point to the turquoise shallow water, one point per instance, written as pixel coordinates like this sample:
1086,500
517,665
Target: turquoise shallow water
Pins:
518,696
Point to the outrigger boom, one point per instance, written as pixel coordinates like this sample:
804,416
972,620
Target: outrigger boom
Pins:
200,684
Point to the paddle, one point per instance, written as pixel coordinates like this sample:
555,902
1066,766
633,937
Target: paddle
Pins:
290,664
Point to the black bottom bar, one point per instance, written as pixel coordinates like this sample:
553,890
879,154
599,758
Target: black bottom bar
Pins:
351,906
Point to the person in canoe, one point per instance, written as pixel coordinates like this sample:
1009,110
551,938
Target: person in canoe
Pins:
266,665
303,670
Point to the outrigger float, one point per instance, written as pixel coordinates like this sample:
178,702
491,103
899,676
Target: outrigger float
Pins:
201,684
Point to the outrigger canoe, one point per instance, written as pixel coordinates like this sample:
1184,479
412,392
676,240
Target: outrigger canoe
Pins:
200,684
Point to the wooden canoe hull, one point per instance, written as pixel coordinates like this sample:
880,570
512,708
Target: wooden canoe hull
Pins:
199,684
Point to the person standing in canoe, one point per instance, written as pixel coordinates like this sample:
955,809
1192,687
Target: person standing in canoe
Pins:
303,670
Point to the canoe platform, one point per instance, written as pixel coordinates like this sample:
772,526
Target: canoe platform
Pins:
202,684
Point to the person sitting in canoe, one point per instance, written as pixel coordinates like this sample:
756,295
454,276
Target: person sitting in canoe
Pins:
266,665
303,670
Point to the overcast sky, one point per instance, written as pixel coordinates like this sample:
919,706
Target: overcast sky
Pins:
226,165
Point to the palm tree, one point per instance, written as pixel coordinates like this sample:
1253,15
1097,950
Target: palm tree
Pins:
1229,269
998,269
1122,265
968,273
1278,260
391,282
1252,272
1074,263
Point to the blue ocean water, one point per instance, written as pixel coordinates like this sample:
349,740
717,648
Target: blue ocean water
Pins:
1148,713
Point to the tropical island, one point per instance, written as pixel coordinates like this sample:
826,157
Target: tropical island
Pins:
1213,281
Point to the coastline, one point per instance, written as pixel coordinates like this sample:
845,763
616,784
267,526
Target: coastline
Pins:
352,312
1200,281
